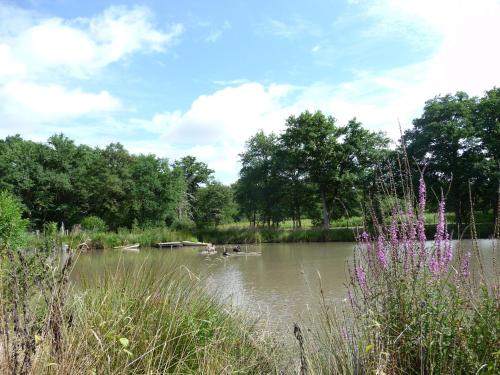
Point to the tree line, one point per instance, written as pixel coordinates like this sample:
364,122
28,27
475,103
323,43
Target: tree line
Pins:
319,169
316,169
59,181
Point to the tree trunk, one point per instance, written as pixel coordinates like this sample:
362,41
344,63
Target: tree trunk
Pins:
326,215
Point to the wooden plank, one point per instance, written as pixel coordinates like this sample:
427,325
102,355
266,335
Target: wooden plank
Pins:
191,243
169,244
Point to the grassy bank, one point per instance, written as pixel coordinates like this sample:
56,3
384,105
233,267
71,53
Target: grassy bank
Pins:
231,235
107,240
271,235
140,316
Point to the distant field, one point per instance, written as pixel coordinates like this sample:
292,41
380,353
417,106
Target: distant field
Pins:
430,218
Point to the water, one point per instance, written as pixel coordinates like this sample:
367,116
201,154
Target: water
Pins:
280,285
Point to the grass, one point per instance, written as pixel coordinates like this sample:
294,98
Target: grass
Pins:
136,315
357,221
106,240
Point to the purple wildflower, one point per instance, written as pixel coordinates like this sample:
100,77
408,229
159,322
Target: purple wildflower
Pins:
381,251
440,228
434,266
361,277
421,216
465,265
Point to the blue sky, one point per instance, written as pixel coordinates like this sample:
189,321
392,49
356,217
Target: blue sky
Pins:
200,77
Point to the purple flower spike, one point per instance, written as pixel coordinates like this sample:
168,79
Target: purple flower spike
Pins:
434,266
361,277
421,217
465,265
381,251
440,230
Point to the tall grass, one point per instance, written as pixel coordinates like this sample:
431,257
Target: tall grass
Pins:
154,318
411,308
107,239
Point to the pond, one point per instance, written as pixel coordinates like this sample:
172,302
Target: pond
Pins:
280,284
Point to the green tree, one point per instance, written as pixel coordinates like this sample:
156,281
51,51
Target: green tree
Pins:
487,127
259,190
333,157
196,174
444,141
215,205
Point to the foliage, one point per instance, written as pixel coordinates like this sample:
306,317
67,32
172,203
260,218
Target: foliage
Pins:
12,226
33,289
214,205
93,224
62,182
455,142
313,164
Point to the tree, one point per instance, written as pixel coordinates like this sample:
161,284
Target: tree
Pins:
196,174
444,141
487,127
215,205
333,157
314,139
259,189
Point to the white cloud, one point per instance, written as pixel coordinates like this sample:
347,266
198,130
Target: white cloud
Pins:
42,60
81,47
53,102
464,32
216,33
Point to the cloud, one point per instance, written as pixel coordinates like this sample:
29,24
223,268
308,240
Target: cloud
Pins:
216,33
44,59
81,47
53,102
290,28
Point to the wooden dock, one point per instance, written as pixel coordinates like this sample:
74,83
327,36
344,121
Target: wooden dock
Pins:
191,243
171,245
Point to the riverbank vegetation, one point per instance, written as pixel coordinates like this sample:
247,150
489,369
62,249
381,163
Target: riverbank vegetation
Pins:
132,316
315,173
409,309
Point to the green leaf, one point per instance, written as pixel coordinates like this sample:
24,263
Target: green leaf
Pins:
124,341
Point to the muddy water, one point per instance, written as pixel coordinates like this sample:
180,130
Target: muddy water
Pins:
280,283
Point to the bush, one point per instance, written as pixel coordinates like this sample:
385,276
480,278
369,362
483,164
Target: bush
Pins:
33,290
94,224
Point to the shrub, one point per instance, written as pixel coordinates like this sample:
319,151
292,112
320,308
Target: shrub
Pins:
33,290
94,224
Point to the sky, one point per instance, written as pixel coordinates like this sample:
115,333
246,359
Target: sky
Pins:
176,78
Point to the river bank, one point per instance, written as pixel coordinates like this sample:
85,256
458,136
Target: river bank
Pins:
220,236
